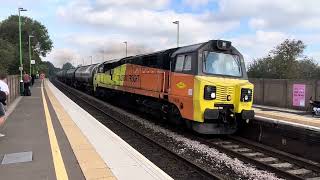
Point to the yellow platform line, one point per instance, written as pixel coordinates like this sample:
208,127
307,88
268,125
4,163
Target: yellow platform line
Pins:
59,167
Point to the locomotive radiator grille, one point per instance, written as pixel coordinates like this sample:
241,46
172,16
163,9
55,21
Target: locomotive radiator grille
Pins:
223,92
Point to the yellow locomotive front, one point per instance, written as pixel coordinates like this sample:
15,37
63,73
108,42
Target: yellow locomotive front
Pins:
223,95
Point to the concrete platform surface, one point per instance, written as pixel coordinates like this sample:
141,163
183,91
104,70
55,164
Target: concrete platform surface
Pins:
26,151
123,160
287,116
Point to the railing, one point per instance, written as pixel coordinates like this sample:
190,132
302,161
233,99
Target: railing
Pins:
13,83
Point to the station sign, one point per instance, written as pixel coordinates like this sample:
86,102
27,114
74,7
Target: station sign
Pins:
33,61
298,95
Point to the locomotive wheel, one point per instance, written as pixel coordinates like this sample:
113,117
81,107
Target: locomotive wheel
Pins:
97,93
174,116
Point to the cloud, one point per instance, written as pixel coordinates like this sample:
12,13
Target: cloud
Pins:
145,23
284,14
257,23
195,3
258,44
101,48
60,56
140,4
316,57
100,27
117,50
145,26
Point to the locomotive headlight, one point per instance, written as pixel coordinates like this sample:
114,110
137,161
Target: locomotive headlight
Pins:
246,95
209,92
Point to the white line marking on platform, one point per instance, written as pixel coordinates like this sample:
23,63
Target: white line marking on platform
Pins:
262,118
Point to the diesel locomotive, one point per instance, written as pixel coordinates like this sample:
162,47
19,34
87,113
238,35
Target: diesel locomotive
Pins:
204,86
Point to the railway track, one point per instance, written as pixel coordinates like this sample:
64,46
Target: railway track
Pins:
282,164
203,173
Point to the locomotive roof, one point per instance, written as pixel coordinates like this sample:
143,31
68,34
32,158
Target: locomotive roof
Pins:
186,49
86,68
171,52
152,53
111,61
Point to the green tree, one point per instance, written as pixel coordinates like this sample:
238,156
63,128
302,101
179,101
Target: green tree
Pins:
48,68
67,66
41,43
285,61
7,55
307,69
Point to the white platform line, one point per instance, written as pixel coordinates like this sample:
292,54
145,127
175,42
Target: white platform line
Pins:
279,121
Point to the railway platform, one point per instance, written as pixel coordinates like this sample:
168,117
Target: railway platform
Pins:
292,131
287,116
48,136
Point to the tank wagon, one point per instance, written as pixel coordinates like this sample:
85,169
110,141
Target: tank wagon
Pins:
61,75
69,76
203,85
83,77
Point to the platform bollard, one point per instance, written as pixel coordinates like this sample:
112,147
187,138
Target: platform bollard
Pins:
21,88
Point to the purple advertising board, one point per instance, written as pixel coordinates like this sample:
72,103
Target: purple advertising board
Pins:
298,95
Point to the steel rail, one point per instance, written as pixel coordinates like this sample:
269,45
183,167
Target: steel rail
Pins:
266,151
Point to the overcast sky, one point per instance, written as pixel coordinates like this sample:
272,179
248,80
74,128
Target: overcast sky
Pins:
81,28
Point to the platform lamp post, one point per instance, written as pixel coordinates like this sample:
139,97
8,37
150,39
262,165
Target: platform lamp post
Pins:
177,23
91,59
30,36
126,48
20,49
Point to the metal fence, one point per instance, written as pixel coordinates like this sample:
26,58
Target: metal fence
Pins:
13,83
288,93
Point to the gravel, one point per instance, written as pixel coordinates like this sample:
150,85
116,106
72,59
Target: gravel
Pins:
204,154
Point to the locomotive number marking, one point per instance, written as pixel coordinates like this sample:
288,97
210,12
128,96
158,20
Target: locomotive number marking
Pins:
134,78
131,78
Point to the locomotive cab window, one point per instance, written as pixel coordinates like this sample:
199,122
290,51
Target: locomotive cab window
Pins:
187,63
179,64
183,63
221,64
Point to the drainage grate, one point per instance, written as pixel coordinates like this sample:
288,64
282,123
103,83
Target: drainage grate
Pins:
17,157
